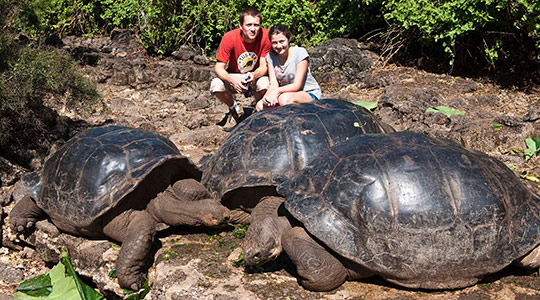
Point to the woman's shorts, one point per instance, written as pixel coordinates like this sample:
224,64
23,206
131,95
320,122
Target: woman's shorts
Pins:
313,97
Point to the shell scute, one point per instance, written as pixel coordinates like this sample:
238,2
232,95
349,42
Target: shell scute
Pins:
94,170
416,209
273,145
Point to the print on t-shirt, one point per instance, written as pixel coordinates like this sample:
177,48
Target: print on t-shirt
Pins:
246,61
281,77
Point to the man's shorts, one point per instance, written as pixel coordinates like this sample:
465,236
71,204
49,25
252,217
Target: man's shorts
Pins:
218,85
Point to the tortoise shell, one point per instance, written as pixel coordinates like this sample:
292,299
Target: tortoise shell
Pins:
416,209
95,170
274,144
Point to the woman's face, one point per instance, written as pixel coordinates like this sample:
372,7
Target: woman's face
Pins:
280,43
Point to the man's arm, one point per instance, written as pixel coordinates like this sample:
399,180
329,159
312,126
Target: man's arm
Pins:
221,72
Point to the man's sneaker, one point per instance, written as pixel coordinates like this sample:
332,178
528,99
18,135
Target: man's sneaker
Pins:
238,115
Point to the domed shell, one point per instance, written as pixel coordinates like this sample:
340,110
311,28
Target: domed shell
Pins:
274,144
94,170
416,209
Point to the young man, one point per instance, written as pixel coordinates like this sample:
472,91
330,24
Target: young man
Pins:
240,62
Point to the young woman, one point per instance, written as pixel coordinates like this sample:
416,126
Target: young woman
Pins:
288,71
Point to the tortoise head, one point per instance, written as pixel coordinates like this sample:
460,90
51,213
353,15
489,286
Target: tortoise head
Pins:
263,240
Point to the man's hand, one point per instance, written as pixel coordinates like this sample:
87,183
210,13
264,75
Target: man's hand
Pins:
238,84
245,80
249,77
236,81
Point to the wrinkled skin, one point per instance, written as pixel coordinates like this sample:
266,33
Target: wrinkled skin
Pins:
178,205
263,238
271,233
321,199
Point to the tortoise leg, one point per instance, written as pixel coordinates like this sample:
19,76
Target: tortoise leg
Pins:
243,201
239,216
531,260
319,270
25,214
170,207
262,243
136,231
190,190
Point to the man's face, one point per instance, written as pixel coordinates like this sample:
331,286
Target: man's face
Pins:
250,28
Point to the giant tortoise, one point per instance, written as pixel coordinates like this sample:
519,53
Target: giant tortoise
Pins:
120,183
274,144
417,211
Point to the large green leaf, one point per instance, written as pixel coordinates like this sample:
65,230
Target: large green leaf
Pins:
61,283
38,286
367,105
445,110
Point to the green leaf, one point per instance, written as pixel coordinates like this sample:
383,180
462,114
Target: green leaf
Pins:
240,231
85,291
445,110
38,286
115,246
366,105
496,127
63,282
141,294
239,262
533,147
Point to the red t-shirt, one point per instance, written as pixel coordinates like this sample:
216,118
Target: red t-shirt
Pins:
243,57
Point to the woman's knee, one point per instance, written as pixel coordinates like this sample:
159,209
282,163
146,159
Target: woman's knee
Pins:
285,99
297,97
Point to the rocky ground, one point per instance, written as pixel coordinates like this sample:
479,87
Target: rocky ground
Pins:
170,96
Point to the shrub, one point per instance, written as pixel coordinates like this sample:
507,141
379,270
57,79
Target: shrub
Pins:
301,18
63,17
344,18
169,24
484,28
448,23
33,75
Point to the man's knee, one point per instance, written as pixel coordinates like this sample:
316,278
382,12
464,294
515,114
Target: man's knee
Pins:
217,85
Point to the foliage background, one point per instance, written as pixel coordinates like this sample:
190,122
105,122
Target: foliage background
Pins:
30,74
493,30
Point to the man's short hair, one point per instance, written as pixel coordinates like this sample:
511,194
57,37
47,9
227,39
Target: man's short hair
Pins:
250,11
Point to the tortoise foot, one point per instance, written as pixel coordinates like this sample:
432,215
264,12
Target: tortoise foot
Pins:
131,281
24,215
318,269
22,225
